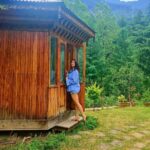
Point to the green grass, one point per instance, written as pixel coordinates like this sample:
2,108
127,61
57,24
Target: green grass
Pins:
124,121
114,129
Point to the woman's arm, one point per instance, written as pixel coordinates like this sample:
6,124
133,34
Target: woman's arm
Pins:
73,79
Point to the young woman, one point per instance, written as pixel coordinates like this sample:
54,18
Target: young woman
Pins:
73,86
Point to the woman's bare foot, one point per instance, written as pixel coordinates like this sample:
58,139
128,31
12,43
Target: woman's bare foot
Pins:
76,118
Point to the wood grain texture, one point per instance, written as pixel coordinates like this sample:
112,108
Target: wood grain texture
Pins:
84,62
24,77
57,100
23,74
53,102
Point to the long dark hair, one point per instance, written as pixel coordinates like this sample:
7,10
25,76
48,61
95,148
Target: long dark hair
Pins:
76,64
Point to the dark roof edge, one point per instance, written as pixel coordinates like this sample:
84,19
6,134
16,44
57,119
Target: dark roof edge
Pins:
60,3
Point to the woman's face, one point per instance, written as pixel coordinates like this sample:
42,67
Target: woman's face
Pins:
72,63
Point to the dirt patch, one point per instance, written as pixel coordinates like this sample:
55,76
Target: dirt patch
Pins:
147,132
139,145
104,147
127,138
85,133
114,131
137,135
100,134
75,137
116,143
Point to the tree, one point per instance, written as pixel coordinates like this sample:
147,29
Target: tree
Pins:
119,58
144,60
99,51
81,10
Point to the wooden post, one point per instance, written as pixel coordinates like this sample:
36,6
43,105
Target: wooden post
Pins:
84,62
49,58
74,52
58,63
58,74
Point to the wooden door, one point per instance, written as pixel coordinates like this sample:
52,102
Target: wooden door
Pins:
73,53
57,90
61,75
69,57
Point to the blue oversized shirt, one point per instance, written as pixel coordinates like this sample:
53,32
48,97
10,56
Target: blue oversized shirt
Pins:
72,81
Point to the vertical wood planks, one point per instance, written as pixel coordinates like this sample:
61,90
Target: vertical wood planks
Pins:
53,102
23,74
84,62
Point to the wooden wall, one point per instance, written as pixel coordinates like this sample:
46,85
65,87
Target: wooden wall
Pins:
57,100
23,74
24,77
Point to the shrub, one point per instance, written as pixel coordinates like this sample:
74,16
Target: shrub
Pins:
146,96
93,93
90,124
88,101
110,101
121,98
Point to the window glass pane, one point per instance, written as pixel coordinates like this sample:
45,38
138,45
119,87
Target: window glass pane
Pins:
79,58
53,60
62,63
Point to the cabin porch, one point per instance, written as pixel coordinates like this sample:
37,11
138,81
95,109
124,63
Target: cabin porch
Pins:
63,121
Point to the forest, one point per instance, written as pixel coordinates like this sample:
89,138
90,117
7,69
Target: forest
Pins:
118,60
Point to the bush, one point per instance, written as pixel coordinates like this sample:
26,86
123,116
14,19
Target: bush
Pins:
121,98
88,101
93,93
146,96
90,124
110,101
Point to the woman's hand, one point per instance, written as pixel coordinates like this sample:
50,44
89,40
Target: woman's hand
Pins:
66,73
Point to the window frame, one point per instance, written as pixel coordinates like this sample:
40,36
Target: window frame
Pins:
56,52
60,44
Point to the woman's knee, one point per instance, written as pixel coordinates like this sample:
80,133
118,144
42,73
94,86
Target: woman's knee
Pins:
75,98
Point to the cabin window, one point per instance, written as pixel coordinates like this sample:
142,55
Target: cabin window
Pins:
53,61
62,63
79,58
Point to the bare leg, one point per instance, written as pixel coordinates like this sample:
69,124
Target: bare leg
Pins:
75,98
76,117
76,113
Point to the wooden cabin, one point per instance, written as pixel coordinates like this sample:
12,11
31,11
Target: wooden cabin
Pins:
38,39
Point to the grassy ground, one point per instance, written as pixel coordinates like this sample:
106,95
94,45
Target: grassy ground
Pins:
119,129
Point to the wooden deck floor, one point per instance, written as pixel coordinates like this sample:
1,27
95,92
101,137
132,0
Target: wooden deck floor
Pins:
63,121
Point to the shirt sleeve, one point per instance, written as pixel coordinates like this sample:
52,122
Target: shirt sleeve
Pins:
73,79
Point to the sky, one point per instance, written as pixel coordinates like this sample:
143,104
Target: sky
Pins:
128,0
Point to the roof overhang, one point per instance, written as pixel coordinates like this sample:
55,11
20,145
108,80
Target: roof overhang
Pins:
44,16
